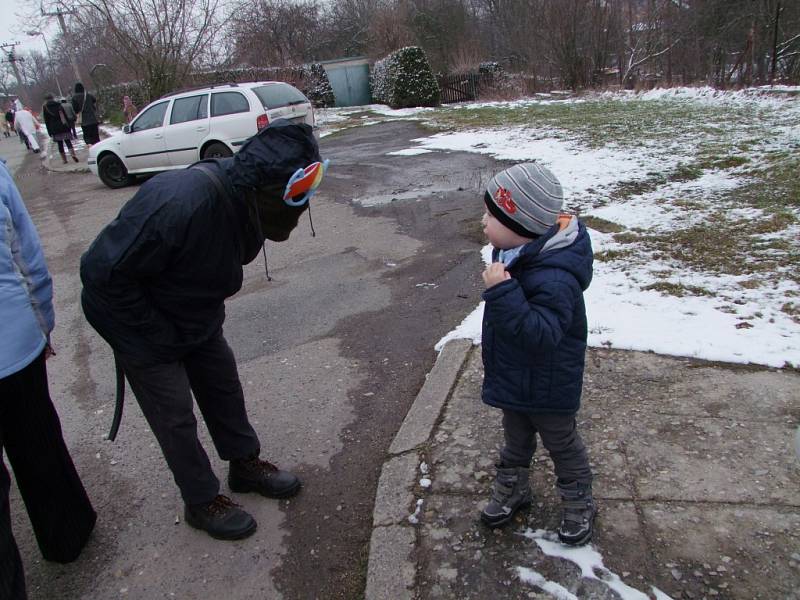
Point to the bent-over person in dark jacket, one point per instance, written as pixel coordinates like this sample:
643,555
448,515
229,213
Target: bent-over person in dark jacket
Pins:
534,342
154,285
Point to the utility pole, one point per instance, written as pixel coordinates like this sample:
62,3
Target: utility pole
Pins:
59,14
13,59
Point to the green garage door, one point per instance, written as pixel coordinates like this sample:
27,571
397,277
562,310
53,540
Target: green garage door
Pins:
350,81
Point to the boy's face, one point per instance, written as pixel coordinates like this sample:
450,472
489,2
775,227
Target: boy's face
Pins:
500,236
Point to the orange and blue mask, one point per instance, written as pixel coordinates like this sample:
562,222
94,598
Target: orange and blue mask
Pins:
304,183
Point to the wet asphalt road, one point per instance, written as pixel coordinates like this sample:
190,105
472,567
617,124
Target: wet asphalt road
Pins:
331,354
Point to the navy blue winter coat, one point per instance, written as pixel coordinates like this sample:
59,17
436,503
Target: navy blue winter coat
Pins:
534,325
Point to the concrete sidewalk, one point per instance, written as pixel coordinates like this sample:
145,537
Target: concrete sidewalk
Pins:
52,159
696,478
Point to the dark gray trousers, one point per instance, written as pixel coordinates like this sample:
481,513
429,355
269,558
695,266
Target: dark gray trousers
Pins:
560,437
164,392
59,509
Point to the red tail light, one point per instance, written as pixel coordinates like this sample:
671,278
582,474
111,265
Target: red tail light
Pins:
262,121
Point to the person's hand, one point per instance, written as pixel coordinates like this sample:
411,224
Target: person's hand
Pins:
495,273
49,351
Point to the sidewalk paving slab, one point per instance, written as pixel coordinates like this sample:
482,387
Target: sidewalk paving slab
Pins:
695,475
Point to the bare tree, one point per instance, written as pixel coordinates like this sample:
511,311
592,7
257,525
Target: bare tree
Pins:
160,41
275,32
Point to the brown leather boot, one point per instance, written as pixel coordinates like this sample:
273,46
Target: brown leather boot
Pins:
63,157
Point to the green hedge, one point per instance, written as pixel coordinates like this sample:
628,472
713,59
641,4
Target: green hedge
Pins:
404,79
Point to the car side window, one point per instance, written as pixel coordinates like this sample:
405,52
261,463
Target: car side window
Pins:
228,103
189,109
150,118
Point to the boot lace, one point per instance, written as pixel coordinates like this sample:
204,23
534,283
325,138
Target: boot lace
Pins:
220,505
261,466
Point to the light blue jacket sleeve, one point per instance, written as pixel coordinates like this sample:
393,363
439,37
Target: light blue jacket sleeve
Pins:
26,253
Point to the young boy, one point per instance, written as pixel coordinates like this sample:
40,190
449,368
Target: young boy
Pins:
534,342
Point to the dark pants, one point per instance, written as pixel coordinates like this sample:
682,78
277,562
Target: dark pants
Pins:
164,392
59,510
91,134
61,146
560,437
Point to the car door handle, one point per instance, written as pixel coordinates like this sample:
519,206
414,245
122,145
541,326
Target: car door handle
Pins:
201,128
157,136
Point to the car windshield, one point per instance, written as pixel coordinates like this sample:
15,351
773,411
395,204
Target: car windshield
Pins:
275,95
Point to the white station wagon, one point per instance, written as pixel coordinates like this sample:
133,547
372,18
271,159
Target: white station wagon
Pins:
182,128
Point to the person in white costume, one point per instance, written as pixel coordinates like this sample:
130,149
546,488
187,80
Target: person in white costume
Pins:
26,124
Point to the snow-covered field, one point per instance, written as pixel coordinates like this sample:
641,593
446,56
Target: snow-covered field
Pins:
691,199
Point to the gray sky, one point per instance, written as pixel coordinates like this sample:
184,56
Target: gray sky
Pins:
13,27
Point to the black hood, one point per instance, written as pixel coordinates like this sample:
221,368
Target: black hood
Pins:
259,173
52,107
271,157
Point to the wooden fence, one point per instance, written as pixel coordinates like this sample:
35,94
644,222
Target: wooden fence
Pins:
463,87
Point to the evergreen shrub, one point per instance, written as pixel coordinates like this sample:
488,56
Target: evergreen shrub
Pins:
404,79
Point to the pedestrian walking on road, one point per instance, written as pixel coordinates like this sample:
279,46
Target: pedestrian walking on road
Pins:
71,117
154,285
10,120
8,125
58,127
534,343
85,107
27,126
30,431
129,109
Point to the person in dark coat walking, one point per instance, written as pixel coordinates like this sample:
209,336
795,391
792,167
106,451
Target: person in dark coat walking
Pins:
58,127
85,107
154,285
30,431
71,117
534,342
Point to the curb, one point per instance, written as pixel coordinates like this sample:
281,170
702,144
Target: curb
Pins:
392,567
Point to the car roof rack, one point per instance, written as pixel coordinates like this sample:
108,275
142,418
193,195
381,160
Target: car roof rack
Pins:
198,87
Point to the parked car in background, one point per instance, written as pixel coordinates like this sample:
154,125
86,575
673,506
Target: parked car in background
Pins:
182,128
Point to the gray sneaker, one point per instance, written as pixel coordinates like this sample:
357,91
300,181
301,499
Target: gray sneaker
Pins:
510,492
578,511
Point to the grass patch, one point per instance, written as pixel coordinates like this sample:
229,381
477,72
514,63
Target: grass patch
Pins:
602,225
678,289
626,237
598,122
793,310
730,162
733,247
685,173
612,255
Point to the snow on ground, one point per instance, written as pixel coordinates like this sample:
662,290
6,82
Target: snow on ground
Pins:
579,169
588,560
731,322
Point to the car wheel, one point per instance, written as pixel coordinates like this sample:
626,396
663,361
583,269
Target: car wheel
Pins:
217,150
113,172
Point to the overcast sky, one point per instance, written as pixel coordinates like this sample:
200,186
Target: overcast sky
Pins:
13,27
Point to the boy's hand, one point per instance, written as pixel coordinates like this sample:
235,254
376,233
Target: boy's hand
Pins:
494,274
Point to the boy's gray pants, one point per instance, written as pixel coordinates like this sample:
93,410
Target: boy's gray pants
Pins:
560,437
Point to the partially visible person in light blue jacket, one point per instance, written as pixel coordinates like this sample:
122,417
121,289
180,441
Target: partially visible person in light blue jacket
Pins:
26,289
30,432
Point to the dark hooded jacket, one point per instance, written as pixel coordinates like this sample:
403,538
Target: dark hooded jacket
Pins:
85,104
534,325
55,118
156,278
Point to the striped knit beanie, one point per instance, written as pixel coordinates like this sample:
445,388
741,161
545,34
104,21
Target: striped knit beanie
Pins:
526,198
